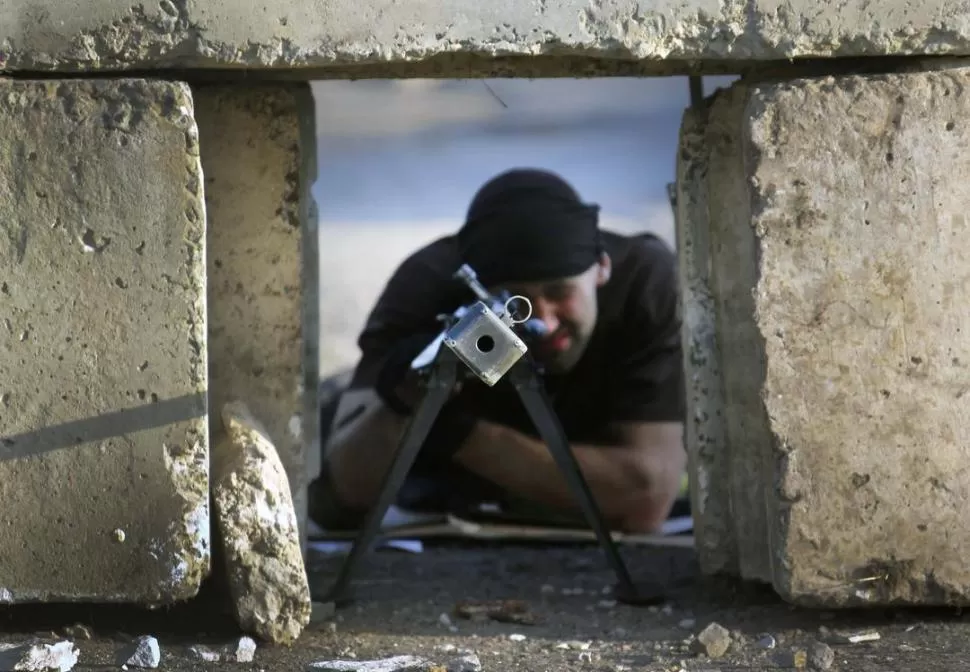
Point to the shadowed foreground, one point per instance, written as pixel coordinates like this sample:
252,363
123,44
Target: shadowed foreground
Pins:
402,600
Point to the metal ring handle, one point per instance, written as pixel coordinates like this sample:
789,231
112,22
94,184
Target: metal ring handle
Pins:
509,312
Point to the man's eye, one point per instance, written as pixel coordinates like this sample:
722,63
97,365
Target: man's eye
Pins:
557,293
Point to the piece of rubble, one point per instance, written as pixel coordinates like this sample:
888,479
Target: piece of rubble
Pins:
863,637
766,642
143,652
60,656
857,638
713,641
516,637
206,654
503,611
78,631
466,663
820,656
393,664
261,540
244,652
574,644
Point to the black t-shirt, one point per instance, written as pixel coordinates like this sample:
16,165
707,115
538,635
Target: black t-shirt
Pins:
631,370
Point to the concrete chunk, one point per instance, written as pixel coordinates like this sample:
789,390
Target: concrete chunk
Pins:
258,527
843,278
103,430
101,34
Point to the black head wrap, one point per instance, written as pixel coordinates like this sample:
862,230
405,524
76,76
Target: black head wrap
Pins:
527,225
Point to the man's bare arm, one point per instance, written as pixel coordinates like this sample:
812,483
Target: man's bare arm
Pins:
362,444
635,482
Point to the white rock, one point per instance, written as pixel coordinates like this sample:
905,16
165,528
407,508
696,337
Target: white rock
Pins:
205,653
467,663
60,656
516,637
393,664
145,652
245,650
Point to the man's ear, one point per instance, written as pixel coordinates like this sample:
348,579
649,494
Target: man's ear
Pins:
604,268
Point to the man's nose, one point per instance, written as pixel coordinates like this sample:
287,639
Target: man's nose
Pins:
545,311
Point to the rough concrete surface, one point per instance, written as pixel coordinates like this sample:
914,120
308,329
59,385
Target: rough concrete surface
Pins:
258,529
103,429
90,35
705,432
256,190
844,293
407,607
734,272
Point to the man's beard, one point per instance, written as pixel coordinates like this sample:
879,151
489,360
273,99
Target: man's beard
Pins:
558,351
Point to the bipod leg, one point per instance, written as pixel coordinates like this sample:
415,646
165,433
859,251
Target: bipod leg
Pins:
444,375
533,395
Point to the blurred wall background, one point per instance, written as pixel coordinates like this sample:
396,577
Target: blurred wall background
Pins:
399,160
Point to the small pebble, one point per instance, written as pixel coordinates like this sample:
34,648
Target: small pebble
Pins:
78,631
687,624
714,641
820,656
467,663
203,653
145,652
766,642
245,650
516,637
577,645
586,657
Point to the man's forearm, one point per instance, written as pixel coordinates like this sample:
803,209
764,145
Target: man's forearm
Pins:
524,466
359,455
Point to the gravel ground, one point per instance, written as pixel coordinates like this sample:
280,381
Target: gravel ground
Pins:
406,605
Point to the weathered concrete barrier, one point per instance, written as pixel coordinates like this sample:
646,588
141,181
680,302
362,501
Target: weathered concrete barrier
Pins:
833,211
259,156
104,491
97,35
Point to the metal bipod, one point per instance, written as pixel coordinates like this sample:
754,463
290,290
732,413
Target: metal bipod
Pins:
443,377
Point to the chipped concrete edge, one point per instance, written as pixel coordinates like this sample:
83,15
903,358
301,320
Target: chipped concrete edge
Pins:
310,314
188,465
705,435
177,36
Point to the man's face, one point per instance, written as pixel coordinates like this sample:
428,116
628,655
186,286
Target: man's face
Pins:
568,307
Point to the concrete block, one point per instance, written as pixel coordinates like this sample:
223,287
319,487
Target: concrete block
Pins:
842,277
89,35
258,148
705,431
103,430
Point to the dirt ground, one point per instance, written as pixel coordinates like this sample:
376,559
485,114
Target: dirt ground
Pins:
405,605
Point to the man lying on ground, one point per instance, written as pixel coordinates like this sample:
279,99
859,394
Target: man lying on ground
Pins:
611,363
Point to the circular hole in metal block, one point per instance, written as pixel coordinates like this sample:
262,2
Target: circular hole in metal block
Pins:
485,343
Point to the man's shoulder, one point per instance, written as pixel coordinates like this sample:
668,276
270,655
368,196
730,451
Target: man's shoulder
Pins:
639,261
629,251
440,256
